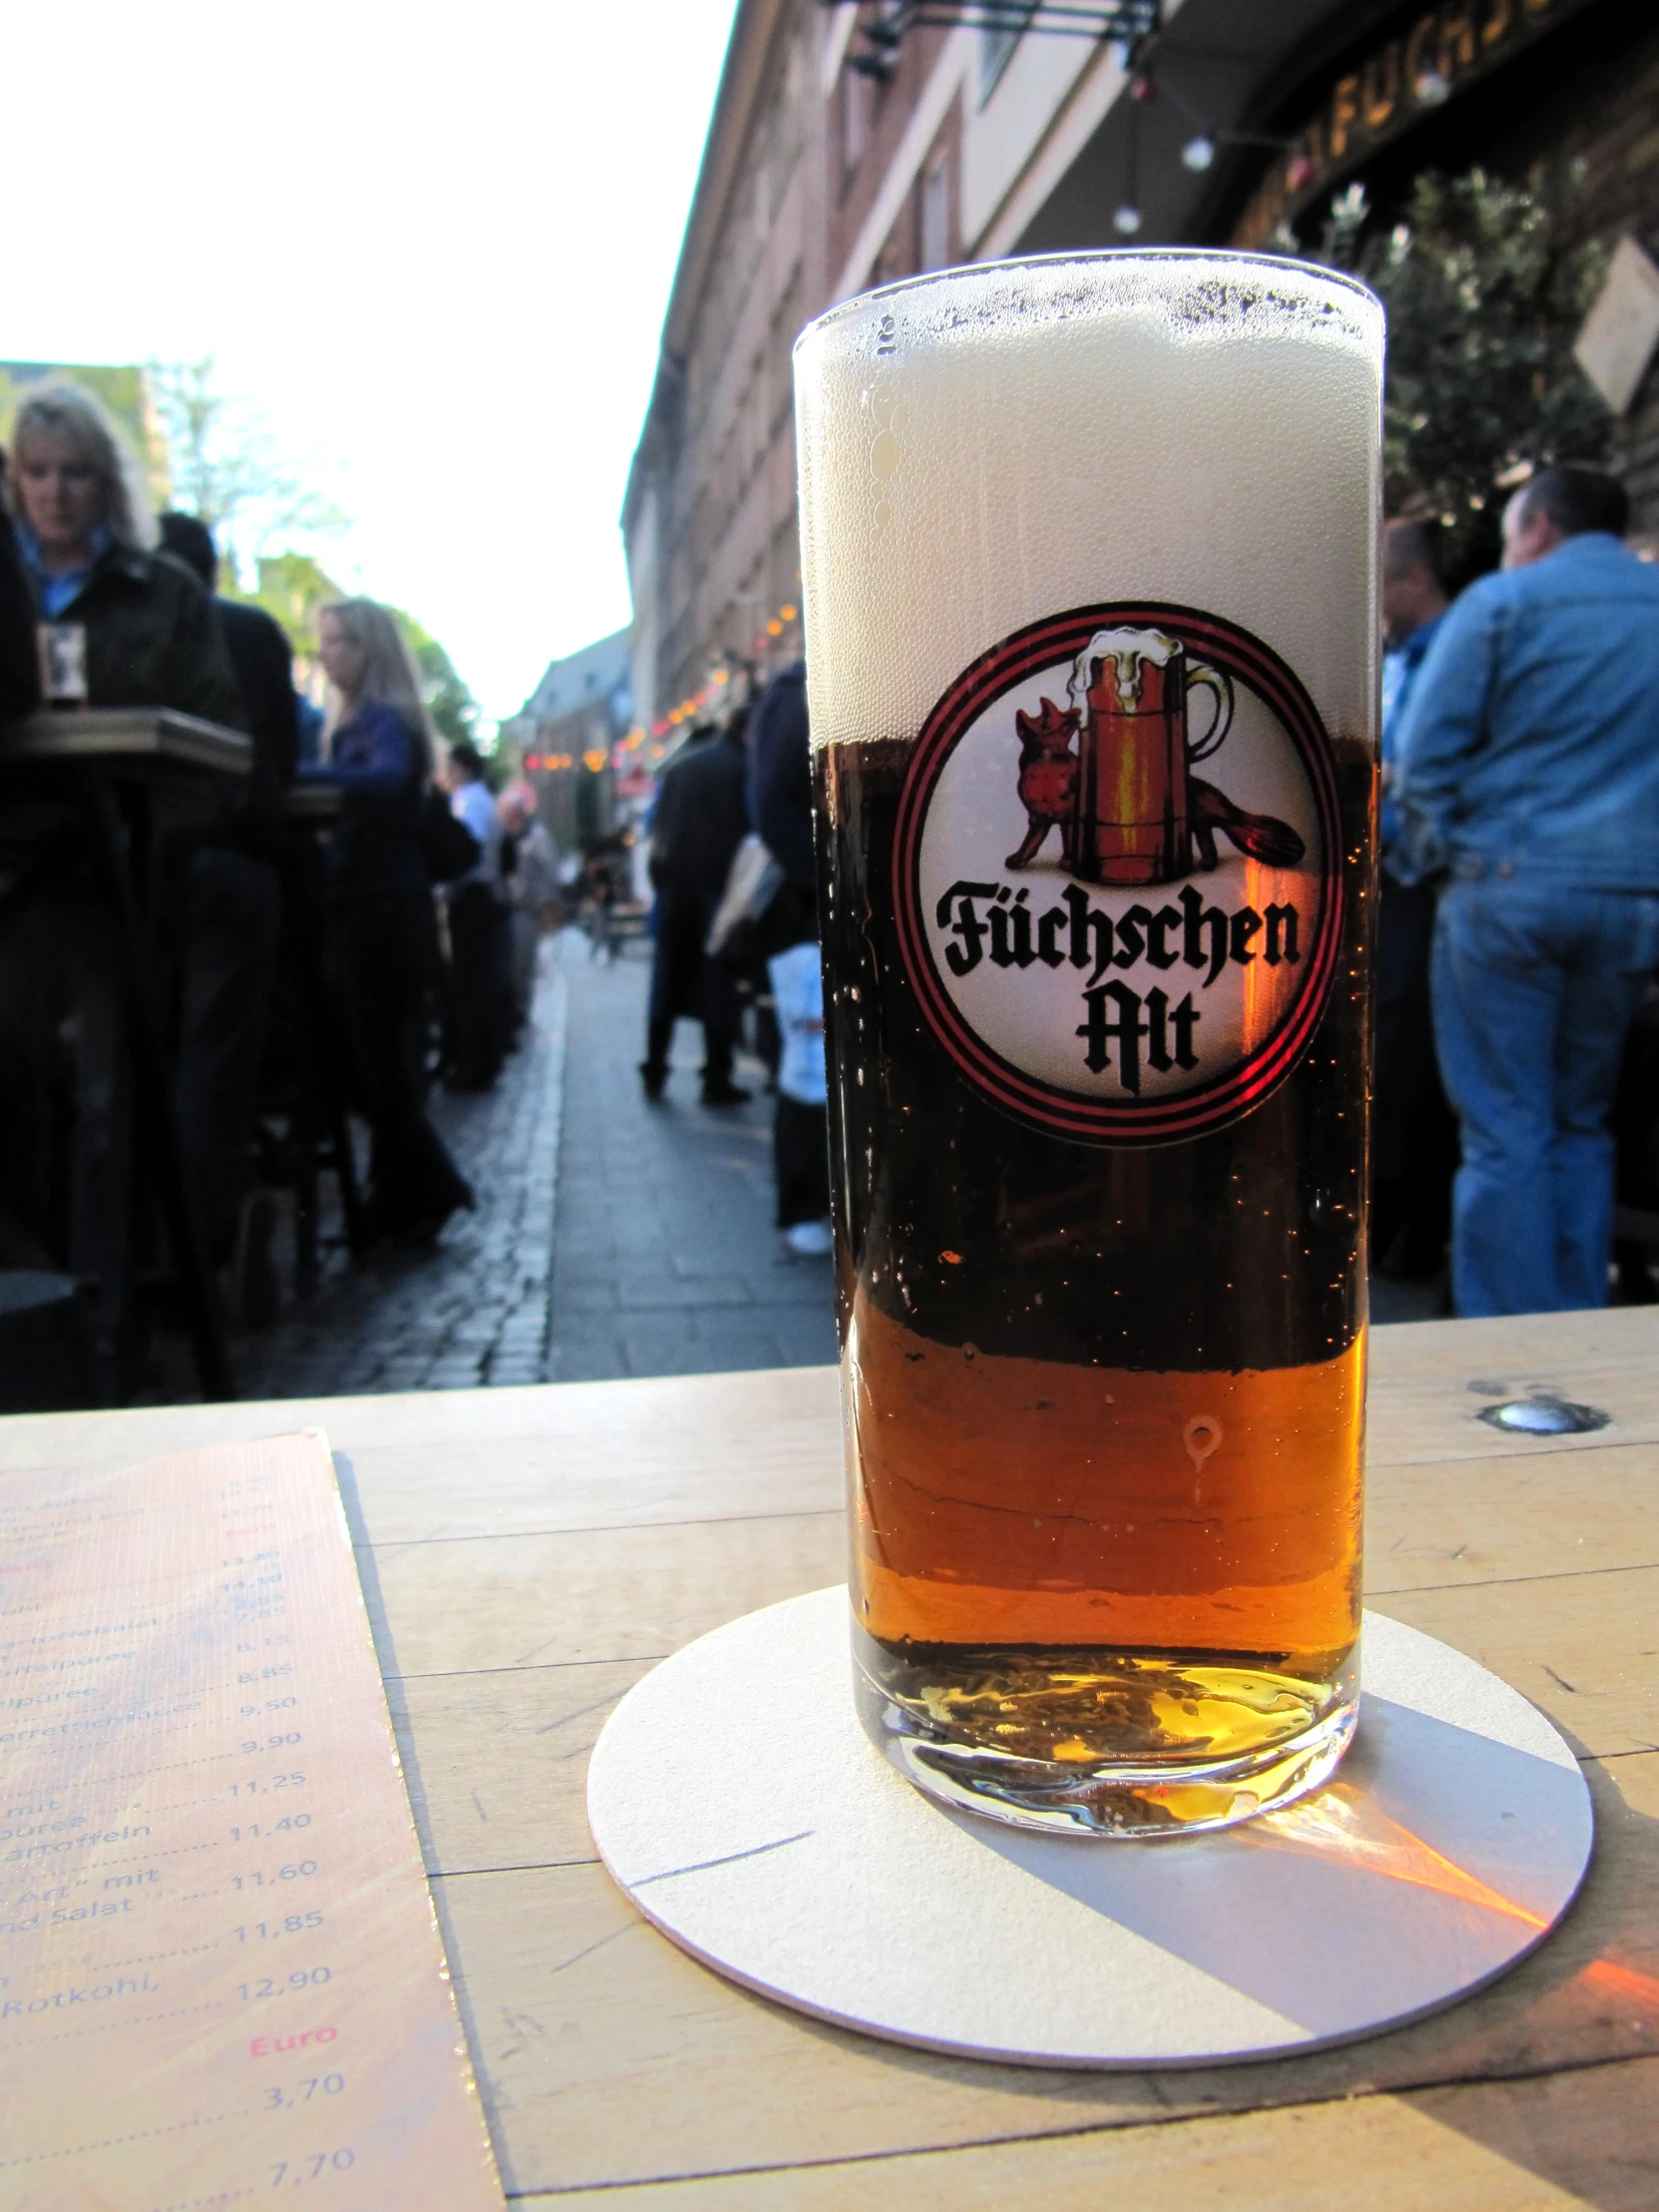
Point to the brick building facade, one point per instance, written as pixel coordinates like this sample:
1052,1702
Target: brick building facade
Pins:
819,182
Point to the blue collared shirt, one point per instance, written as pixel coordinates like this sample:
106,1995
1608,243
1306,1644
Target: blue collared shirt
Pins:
1530,741
1399,676
474,806
56,593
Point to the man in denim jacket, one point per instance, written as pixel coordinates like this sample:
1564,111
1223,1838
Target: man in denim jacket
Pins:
1529,782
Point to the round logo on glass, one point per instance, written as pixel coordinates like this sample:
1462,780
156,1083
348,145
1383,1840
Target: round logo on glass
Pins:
1117,872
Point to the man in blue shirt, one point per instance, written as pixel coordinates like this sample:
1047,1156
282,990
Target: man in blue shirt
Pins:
1528,780
1413,1133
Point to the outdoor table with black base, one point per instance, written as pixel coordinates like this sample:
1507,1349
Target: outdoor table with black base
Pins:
320,1133
114,783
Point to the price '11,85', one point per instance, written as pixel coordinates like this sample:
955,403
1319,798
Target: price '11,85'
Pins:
292,1923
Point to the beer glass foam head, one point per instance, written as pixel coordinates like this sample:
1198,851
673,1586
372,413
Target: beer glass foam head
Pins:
1186,426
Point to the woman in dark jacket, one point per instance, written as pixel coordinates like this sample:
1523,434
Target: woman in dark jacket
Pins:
86,535
381,911
141,631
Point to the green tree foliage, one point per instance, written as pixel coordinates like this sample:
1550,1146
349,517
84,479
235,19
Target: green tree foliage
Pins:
292,588
1486,293
225,466
453,709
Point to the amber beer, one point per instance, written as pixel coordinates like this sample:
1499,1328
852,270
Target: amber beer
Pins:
1088,559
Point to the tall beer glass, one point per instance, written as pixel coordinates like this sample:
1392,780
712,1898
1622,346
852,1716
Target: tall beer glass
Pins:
1088,552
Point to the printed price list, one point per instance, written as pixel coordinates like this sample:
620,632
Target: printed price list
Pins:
221,1981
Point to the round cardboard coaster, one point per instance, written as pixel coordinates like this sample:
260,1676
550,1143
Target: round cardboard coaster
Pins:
736,1799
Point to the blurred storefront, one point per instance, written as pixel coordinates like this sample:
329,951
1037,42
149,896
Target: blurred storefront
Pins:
569,738
852,145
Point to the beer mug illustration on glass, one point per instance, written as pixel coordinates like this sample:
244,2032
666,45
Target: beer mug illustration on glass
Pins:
1130,690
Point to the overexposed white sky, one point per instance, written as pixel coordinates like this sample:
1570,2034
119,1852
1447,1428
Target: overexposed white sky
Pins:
432,245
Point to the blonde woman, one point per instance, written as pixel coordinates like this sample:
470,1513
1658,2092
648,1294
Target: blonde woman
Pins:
382,939
87,538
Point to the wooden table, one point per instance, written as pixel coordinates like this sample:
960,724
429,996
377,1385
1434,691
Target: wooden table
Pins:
528,1554
131,734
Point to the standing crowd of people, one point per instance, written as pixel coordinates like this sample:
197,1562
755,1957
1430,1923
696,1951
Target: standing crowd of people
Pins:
1518,913
1519,910
434,893
1518,916
736,899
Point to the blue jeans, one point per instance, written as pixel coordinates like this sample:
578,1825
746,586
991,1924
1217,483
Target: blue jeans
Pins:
1534,988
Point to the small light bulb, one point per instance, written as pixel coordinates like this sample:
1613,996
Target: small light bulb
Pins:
1126,221
1198,154
1431,88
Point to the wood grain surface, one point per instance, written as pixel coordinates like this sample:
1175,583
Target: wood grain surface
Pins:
528,1554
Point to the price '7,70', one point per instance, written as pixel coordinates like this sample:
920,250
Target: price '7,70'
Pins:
290,2171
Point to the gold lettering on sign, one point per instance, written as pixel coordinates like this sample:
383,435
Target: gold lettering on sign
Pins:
1456,41
1421,32
1445,47
1380,86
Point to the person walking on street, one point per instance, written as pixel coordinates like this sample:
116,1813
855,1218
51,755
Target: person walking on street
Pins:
1529,782
700,819
1414,1131
477,931
781,806
530,878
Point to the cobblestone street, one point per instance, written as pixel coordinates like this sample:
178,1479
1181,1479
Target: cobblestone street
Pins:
611,1238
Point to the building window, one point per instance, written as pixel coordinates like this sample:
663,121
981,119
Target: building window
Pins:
852,119
996,47
936,215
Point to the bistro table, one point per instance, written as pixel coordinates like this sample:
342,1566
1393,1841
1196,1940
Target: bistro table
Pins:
318,1131
529,1553
115,783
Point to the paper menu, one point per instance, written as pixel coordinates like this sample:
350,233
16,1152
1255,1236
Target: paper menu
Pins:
221,1977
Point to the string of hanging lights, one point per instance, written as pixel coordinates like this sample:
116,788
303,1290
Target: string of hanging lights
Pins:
1131,24
1198,154
1124,21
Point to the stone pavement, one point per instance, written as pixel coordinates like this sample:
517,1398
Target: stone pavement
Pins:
473,1312
641,1244
612,1238
666,1259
